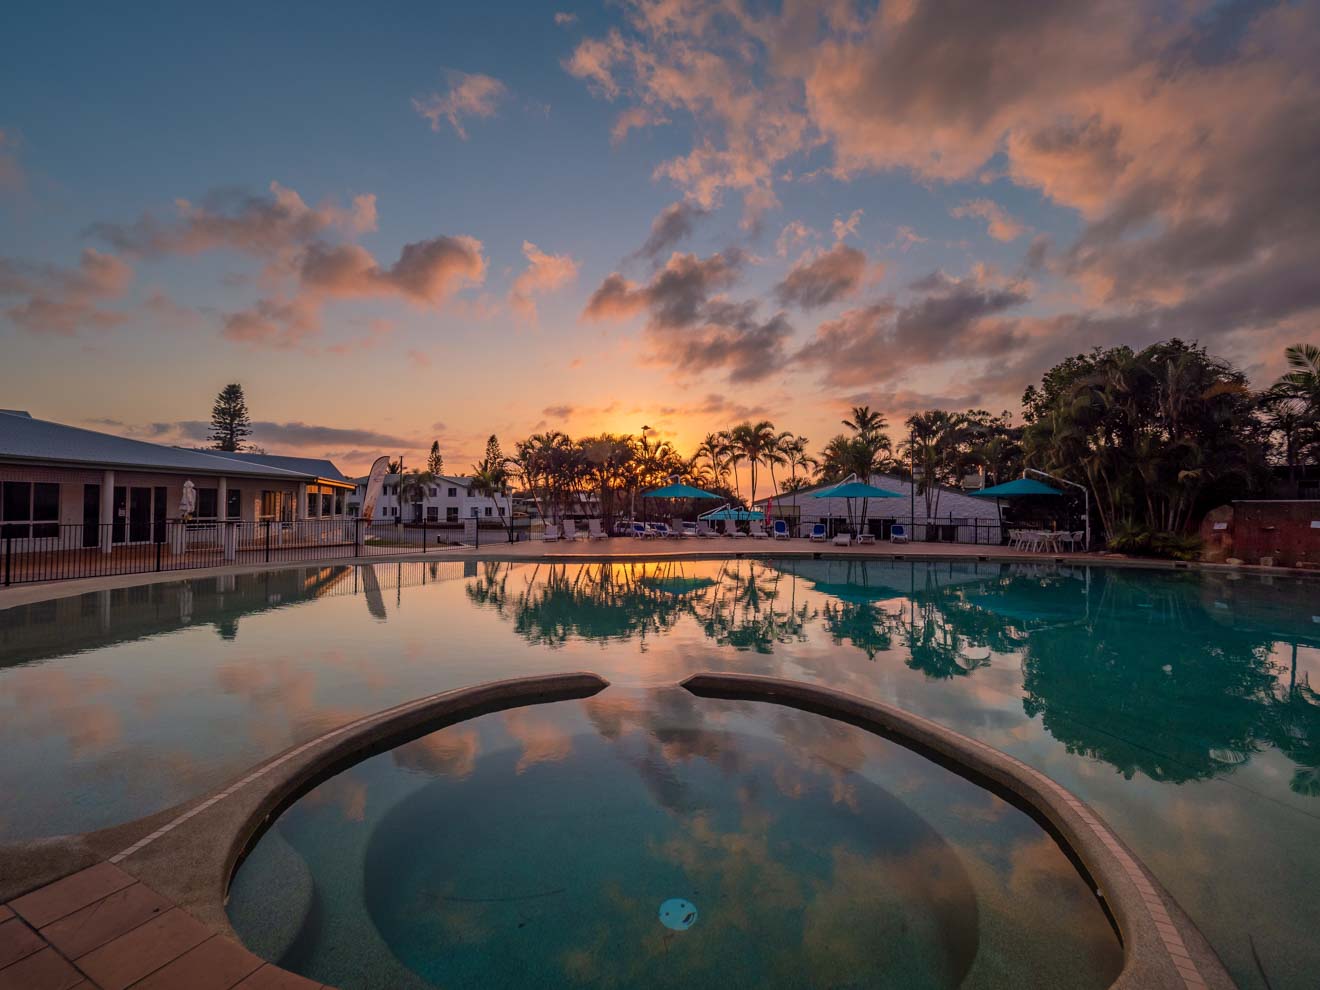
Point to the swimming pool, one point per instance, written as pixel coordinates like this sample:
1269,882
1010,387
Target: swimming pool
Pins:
1177,704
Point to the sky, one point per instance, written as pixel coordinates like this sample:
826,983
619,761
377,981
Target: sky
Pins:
441,221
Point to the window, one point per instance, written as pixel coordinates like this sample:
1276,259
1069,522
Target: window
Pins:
488,510
313,500
206,503
474,512
432,513
25,506
234,503
433,492
339,503
451,513
327,504
453,493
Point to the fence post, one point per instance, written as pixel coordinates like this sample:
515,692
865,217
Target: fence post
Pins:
9,558
357,537
423,530
159,544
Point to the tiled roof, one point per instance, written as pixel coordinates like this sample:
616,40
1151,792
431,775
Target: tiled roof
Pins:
23,438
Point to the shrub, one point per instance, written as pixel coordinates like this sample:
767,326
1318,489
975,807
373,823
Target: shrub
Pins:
1140,541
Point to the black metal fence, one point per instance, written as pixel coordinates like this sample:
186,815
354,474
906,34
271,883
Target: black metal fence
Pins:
58,552
938,529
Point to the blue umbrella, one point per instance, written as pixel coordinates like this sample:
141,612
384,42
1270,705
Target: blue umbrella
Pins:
1017,488
855,489
679,491
737,515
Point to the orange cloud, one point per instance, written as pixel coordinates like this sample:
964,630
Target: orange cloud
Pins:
544,273
65,300
469,95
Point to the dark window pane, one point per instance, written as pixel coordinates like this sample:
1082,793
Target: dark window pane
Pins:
234,509
327,504
311,504
18,532
42,530
206,502
45,501
17,501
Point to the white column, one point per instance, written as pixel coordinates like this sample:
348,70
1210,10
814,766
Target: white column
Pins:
222,498
107,510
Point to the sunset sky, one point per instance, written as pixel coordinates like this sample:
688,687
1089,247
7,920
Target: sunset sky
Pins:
439,220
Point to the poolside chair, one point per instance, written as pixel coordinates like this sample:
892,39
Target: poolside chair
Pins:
866,538
660,529
731,529
639,530
571,532
756,528
551,533
594,530
689,529
705,531
817,533
898,533
781,530
842,539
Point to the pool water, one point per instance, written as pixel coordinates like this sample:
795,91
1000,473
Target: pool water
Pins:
650,838
1179,704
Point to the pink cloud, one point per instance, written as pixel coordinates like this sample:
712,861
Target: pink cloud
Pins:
469,95
999,223
65,300
544,273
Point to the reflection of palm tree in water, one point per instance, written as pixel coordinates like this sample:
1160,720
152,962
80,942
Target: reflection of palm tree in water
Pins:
1295,730
740,612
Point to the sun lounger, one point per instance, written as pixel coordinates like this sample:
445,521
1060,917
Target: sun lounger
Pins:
594,530
640,531
781,530
689,529
661,529
898,533
571,531
731,529
551,533
705,531
842,539
867,538
817,533
756,528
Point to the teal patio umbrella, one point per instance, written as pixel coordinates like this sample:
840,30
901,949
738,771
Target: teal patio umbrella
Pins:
677,490
737,515
1017,488
855,489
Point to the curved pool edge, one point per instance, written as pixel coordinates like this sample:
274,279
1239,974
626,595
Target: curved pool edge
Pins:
1162,947
189,853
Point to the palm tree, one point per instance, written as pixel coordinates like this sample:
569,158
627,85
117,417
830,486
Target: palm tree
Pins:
491,478
412,489
757,443
794,451
1303,381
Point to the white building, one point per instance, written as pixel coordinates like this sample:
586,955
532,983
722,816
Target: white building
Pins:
955,516
447,500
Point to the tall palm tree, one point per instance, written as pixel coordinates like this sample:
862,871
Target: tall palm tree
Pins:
794,451
412,489
757,444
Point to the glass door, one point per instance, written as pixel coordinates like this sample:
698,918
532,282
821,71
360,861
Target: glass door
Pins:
139,515
91,535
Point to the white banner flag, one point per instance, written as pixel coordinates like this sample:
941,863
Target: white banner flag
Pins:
375,482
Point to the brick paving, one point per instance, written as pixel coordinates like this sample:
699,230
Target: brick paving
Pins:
101,929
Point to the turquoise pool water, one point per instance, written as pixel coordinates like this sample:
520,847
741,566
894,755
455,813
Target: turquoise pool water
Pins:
1179,704
652,839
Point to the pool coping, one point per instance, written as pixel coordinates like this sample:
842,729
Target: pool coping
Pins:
189,853
41,591
1162,947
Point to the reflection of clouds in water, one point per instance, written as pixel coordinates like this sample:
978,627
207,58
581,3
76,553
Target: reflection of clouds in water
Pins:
541,737
451,752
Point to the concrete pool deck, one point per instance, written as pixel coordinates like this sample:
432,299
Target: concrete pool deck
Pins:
142,905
